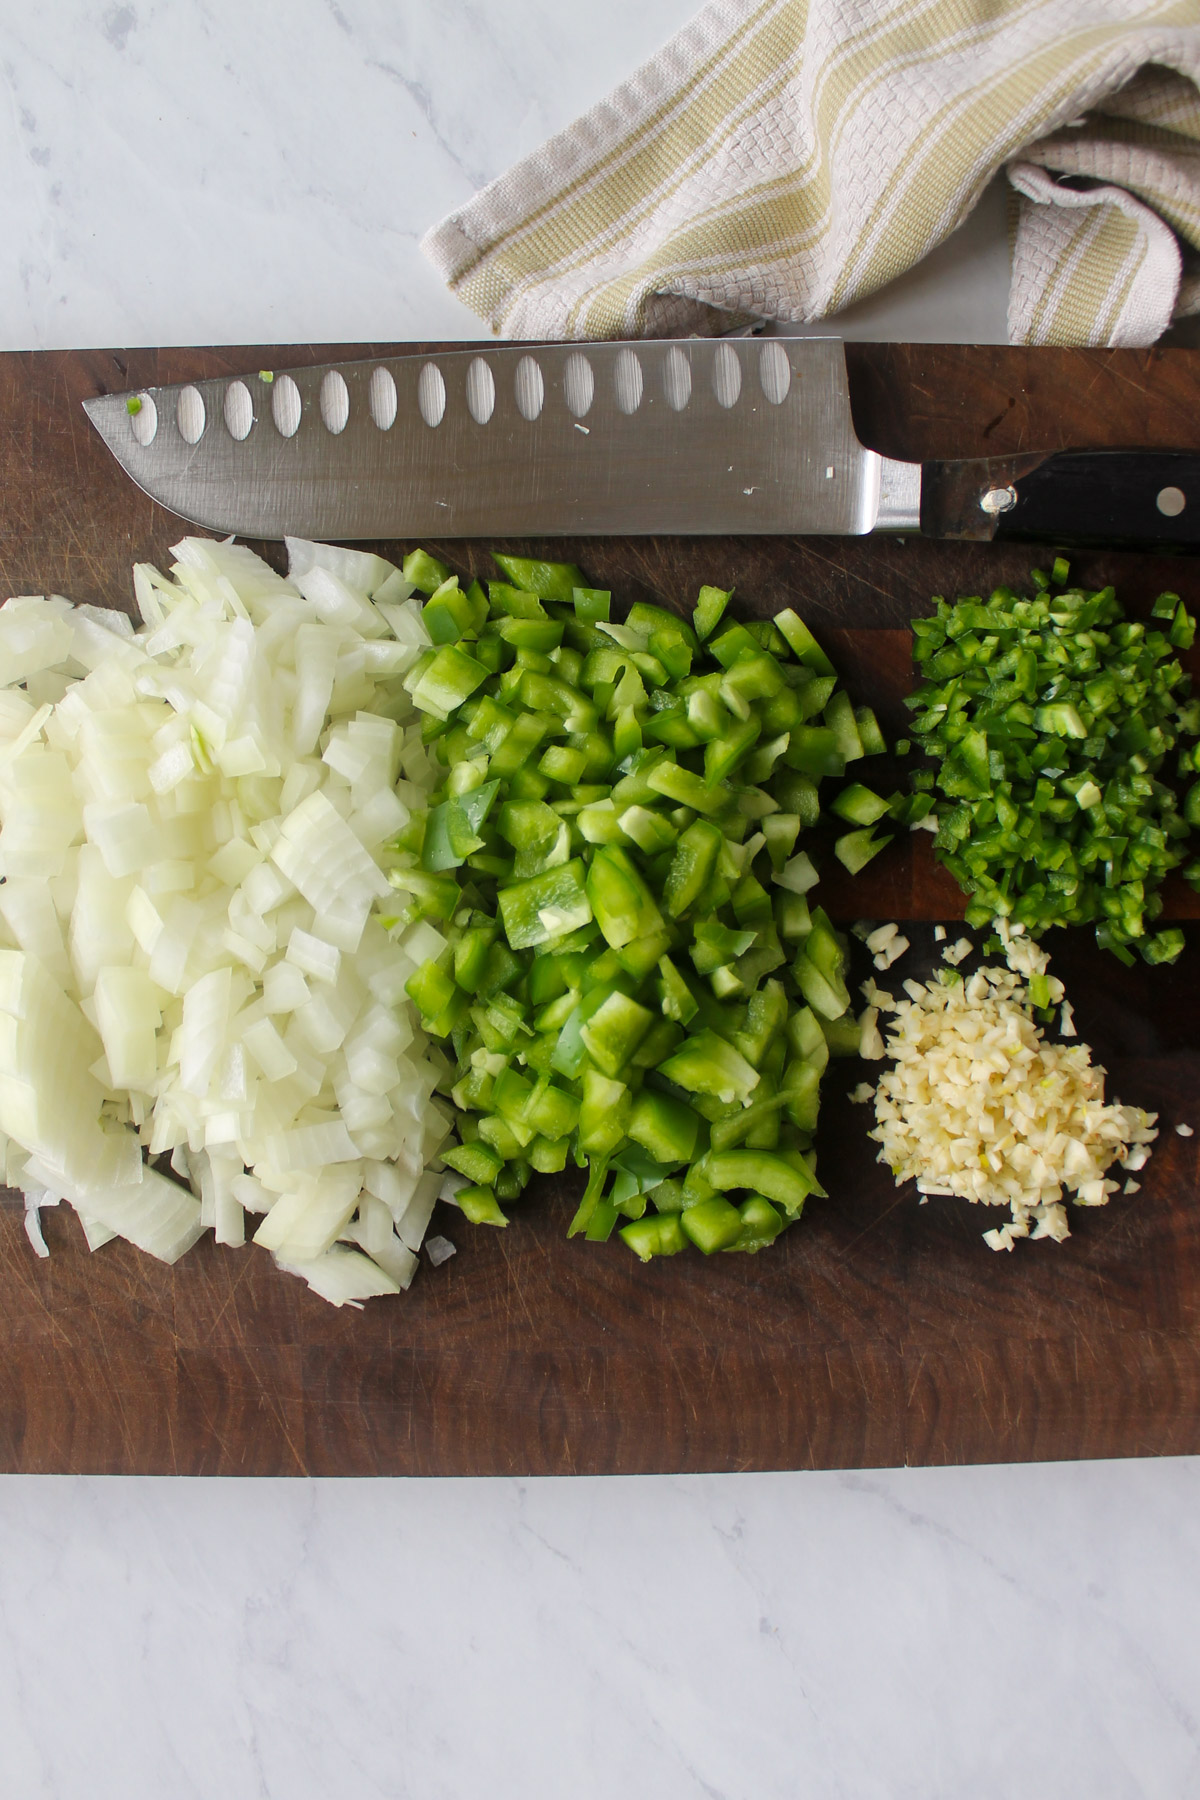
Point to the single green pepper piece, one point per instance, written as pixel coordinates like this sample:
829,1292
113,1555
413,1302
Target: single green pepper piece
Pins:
544,906
801,1094
614,1032
424,571
859,805
692,866
685,789
826,949
490,723
532,637
839,717
478,1204
766,1015
477,1161
621,902
657,1235
563,764
509,602
470,956
602,1223
548,1156
723,754
510,1097
657,621
761,1225
855,849
675,996
551,1111
521,741
786,1180
430,989
1183,628
711,609
449,614
666,1127
707,1064
781,830
870,736
452,829
603,1113
650,831
712,1225
843,1036
815,751
500,970
803,644
826,993
548,580
592,605
792,916
447,681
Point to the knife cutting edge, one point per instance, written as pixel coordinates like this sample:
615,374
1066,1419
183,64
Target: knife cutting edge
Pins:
695,437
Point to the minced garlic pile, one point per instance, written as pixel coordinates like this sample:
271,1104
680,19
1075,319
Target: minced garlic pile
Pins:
978,1105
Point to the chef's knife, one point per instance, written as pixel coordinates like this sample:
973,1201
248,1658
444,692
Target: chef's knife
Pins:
694,436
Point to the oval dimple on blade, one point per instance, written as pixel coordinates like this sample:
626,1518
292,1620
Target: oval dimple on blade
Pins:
190,417
530,388
382,399
143,418
481,391
774,371
335,403
677,379
726,376
238,411
286,406
627,381
431,395
579,384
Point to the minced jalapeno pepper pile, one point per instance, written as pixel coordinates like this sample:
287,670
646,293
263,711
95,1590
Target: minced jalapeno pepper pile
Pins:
1049,719
630,975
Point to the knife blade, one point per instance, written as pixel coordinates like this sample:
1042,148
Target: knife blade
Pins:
692,436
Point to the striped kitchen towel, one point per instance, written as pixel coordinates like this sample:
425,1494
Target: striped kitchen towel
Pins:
782,158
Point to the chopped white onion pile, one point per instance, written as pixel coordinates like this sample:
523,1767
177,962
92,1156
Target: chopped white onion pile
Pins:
194,959
978,1105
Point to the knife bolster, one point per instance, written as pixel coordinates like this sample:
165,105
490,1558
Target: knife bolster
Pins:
899,496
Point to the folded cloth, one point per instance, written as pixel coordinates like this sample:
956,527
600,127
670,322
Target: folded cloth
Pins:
781,159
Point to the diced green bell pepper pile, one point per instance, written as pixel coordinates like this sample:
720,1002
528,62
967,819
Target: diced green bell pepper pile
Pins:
1048,719
635,982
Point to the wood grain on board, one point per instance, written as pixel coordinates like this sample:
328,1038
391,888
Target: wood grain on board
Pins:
879,1331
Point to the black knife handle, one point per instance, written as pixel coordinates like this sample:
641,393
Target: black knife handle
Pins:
1118,497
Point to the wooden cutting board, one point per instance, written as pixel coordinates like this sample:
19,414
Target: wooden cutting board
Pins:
877,1332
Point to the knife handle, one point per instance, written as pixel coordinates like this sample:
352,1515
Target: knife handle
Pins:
1129,497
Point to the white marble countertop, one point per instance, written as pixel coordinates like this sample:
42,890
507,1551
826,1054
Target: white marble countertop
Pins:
208,171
